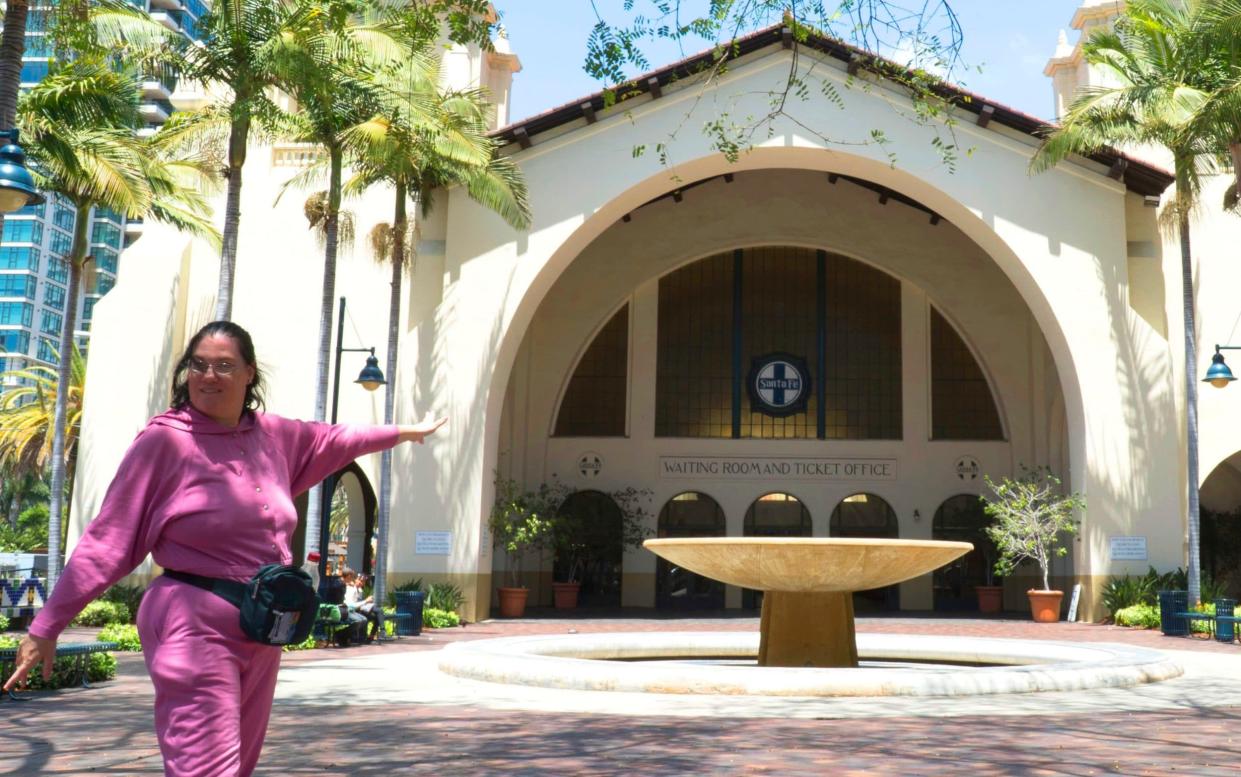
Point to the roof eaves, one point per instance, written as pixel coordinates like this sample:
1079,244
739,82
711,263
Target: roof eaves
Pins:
1138,176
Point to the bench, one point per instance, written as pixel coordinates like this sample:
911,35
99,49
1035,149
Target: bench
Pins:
1175,616
80,652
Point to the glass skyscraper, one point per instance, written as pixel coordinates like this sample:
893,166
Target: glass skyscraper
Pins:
36,240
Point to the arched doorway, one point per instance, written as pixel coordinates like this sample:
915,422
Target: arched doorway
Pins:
868,515
961,519
351,520
773,515
688,514
1220,545
597,549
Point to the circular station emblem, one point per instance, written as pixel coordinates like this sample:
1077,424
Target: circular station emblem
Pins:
590,464
967,468
778,384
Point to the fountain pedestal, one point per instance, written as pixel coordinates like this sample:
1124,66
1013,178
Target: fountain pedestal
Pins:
808,584
807,629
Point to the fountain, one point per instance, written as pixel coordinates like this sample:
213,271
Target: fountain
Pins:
807,584
807,646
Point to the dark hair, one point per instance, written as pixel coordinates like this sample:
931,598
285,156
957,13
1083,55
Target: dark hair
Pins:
180,375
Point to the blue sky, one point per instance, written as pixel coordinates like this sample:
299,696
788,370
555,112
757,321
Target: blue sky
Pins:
1010,39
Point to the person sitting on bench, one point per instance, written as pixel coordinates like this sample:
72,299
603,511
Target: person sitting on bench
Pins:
361,605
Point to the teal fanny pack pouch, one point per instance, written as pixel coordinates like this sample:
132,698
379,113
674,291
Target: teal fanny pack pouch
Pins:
278,605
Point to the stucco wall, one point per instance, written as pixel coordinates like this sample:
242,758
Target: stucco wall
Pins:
1059,239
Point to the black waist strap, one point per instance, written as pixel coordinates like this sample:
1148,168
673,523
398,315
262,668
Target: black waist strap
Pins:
230,591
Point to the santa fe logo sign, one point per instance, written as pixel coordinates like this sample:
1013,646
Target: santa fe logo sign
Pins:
778,384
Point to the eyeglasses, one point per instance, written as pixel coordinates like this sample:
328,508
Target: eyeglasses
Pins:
200,367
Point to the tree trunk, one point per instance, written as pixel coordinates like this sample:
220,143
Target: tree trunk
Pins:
12,46
1191,407
314,504
238,137
55,508
1234,149
394,334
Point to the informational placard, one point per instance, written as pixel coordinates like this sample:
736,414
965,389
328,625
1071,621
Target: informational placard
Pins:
1077,595
432,543
774,469
1127,549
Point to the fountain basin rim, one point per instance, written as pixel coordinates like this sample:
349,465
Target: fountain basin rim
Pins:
555,661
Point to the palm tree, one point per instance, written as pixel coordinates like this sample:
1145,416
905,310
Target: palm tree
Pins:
26,415
333,82
1165,71
248,44
79,128
429,140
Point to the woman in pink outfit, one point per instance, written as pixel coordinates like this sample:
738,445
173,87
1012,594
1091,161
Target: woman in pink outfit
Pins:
206,488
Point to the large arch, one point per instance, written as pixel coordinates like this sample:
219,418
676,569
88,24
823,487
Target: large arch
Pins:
941,202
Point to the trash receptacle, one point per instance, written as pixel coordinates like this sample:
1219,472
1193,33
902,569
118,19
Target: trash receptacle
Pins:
409,612
1170,603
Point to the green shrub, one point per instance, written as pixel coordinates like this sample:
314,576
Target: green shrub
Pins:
439,619
101,613
1141,615
1124,592
4,623
308,644
128,595
124,634
445,596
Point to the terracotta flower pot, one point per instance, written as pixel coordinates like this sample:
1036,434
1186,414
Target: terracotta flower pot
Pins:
565,595
990,598
1045,605
513,602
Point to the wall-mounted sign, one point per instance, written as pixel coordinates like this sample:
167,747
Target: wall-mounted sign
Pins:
754,468
967,468
432,543
1127,548
779,384
590,464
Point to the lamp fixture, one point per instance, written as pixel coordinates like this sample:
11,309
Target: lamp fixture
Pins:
1218,374
17,189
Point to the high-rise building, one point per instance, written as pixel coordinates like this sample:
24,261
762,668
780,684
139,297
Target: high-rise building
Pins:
36,240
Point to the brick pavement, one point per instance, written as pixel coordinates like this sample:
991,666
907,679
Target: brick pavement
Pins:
107,730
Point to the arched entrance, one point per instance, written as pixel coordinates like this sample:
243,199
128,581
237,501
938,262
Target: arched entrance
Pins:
594,558
634,371
961,519
773,515
688,514
1220,518
868,515
351,520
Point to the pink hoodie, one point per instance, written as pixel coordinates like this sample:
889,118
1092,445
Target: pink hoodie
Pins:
204,498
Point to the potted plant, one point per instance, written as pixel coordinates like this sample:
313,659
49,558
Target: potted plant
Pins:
581,535
1032,520
519,522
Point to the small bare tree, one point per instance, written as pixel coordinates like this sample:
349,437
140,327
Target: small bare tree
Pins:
1032,519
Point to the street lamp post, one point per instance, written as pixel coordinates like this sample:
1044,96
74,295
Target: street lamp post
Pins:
370,379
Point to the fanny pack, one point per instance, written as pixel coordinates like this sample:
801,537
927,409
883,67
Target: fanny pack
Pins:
278,605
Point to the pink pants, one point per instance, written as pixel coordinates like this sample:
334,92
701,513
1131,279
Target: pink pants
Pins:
213,687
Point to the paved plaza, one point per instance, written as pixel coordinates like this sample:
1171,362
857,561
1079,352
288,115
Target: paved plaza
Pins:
387,709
